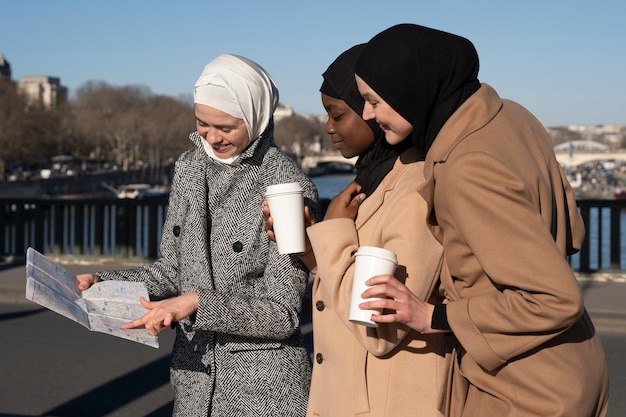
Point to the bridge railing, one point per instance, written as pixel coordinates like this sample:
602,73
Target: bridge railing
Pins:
604,248
125,229
583,157
130,230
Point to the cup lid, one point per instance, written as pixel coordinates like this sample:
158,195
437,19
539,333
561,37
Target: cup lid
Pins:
290,187
377,252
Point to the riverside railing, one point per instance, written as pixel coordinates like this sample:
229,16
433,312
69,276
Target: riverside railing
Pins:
124,229
130,230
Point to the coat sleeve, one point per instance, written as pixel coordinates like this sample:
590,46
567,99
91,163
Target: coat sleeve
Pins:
398,225
516,289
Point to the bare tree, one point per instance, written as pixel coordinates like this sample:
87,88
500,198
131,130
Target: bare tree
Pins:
127,126
299,135
11,109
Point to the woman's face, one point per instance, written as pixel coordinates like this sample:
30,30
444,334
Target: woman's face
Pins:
227,135
349,133
396,127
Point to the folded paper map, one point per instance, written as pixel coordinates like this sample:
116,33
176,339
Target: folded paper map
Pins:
102,308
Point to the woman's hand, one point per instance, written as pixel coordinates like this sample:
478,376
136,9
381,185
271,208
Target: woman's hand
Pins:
346,203
165,312
405,307
85,281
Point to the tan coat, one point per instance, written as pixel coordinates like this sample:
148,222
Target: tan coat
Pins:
390,371
507,217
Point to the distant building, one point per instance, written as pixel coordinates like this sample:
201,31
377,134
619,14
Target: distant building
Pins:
5,68
43,89
282,111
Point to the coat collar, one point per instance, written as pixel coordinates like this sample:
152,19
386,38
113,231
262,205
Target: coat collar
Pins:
476,112
373,202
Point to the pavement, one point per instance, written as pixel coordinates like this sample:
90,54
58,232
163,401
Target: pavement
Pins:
128,379
604,293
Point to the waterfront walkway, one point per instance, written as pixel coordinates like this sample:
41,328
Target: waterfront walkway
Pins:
54,367
604,293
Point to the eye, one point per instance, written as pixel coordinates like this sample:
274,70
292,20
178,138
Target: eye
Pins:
337,117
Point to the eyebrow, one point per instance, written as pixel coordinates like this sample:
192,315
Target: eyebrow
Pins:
222,125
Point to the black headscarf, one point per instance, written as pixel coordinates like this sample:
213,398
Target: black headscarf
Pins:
339,83
424,74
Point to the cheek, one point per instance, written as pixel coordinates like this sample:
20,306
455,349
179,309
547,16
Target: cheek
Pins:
404,128
202,131
241,139
245,142
404,131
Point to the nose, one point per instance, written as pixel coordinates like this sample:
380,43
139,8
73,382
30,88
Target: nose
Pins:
368,112
212,135
329,126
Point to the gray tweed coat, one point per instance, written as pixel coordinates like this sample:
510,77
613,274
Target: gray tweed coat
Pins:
242,353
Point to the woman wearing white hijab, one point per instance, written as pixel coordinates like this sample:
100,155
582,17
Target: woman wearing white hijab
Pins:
234,300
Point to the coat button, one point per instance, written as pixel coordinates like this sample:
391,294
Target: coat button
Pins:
176,231
238,246
319,358
320,305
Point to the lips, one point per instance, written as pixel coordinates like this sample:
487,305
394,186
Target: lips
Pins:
221,149
338,143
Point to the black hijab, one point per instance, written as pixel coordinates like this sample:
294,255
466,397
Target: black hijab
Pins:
424,74
376,162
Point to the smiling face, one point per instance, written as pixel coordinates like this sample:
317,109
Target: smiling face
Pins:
348,131
227,135
396,127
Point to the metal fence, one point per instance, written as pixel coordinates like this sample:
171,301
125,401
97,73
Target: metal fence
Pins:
130,229
125,229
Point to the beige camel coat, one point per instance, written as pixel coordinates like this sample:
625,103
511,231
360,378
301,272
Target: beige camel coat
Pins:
507,218
391,371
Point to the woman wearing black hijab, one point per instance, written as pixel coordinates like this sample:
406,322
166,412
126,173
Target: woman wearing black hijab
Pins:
358,370
339,95
502,207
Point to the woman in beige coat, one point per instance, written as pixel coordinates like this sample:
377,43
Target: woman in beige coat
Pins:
506,215
390,371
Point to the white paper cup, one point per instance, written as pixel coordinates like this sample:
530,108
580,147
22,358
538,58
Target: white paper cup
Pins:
369,261
286,202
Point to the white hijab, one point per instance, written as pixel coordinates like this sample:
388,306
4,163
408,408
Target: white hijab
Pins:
241,88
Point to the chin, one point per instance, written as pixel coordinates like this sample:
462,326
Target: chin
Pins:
393,139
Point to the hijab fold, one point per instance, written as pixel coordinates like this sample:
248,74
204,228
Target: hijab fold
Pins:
423,74
339,82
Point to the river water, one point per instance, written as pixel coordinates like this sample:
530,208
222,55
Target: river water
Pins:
329,186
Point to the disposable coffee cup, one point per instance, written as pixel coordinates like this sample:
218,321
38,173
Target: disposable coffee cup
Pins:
369,261
286,202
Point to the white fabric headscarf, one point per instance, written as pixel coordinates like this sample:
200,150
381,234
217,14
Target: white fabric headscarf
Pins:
241,88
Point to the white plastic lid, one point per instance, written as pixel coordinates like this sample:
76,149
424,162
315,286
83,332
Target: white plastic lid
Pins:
291,187
377,252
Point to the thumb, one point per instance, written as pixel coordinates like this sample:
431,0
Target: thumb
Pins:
357,200
147,304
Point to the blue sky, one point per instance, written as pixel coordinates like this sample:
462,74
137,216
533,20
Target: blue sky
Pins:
563,60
